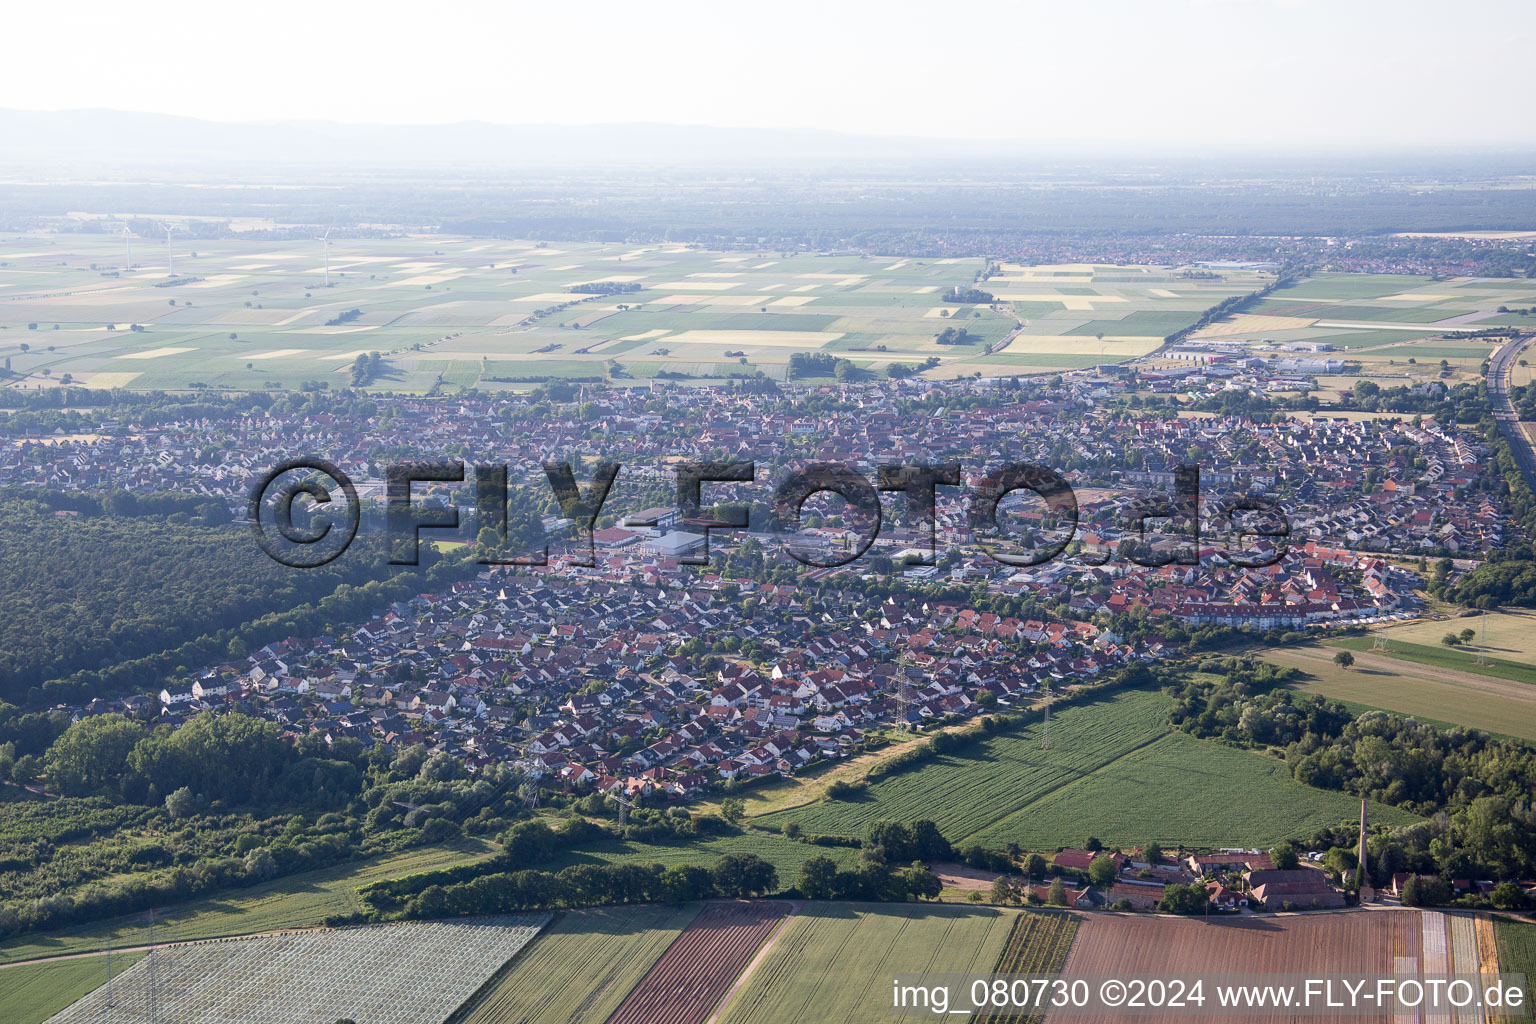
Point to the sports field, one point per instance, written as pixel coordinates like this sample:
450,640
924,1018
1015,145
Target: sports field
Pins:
869,945
451,312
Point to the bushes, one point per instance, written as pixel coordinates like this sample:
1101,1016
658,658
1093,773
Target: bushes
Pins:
586,885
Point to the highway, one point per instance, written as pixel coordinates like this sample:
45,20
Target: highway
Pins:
1499,368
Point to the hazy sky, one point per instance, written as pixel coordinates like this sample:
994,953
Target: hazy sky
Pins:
1277,72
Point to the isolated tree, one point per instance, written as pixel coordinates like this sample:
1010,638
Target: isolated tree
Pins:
1451,640
1034,867
733,809
1285,857
1102,871
1056,895
1468,635
1343,659
1093,845
1152,853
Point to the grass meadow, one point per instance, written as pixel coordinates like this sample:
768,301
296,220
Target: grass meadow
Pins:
295,901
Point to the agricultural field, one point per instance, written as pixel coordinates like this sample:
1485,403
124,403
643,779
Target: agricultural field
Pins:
869,944
295,901
1072,316
786,855
1399,328
1445,687
1408,942
1509,633
697,970
580,968
415,973
1039,944
1182,790
455,312
1516,938
31,993
967,790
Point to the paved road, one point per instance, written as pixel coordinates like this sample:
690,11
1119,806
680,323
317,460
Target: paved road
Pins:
1499,368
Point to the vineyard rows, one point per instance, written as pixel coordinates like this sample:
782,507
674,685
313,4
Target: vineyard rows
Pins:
1038,944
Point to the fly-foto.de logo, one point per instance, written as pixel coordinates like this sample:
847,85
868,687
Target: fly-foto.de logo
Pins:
334,498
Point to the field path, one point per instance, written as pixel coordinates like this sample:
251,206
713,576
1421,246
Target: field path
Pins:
741,979
1506,688
115,951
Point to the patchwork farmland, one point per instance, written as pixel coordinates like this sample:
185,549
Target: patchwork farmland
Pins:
450,312
581,967
695,973
1400,328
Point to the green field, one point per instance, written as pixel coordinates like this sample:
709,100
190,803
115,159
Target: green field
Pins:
786,855
454,312
31,993
1182,790
835,961
580,968
1039,944
295,901
984,782
1517,950
1445,657
1467,695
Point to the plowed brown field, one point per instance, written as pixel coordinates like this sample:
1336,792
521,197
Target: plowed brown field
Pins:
698,968
1365,942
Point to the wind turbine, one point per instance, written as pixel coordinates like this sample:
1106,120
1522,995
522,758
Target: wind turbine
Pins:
128,245
326,238
170,256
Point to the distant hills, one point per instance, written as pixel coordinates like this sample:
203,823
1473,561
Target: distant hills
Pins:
122,138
